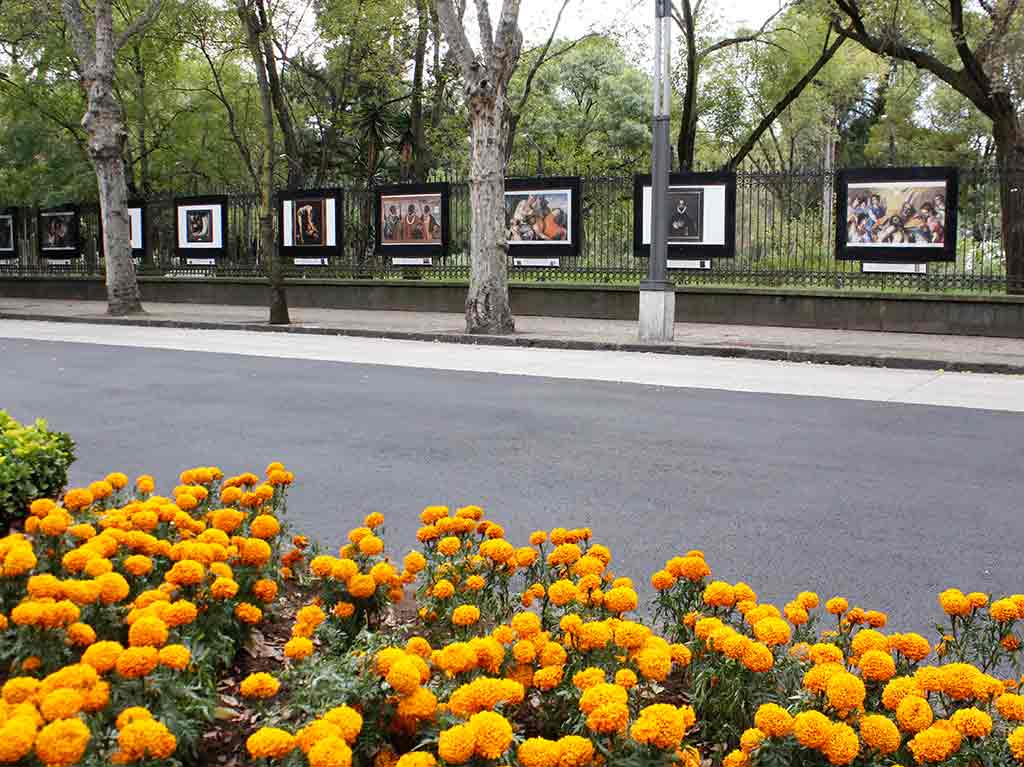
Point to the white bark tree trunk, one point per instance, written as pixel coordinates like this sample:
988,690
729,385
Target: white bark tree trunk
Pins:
107,136
103,124
487,75
487,303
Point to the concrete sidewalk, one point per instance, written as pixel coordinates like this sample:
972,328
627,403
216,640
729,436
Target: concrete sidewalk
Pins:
839,347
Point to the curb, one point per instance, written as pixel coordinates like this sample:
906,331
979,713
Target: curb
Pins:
732,352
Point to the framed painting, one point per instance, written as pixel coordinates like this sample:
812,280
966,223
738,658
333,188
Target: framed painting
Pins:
412,223
59,233
310,225
699,216
896,215
200,224
8,234
137,227
542,219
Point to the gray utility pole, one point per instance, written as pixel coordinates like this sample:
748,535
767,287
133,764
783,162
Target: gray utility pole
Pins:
657,293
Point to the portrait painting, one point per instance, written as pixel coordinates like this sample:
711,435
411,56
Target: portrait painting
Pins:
309,224
199,226
894,214
697,217
685,219
539,216
58,231
6,234
411,219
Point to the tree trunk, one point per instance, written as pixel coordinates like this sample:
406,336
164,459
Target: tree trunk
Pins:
140,125
416,126
1010,156
687,142
487,305
270,253
105,146
296,171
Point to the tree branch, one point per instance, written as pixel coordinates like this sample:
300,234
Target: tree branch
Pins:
956,28
81,36
140,25
508,41
766,122
889,46
542,57
483,20
455,33
740,39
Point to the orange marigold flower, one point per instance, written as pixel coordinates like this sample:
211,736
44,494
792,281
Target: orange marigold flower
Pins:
811,729
773,720
146,739
62,743
274,743
837,605
259,685
175,656
136,662
248,613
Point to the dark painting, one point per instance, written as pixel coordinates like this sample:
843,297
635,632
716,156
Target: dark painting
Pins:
309,228
199,226
58,231
685,215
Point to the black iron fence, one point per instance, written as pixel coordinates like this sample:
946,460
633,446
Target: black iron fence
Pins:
784,238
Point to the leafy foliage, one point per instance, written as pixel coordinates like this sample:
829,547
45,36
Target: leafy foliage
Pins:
34,463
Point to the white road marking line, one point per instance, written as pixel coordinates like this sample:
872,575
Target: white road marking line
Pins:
965,390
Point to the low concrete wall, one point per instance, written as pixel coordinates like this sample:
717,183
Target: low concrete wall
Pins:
989,315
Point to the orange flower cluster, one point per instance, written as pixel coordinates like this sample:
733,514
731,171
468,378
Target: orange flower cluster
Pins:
113,584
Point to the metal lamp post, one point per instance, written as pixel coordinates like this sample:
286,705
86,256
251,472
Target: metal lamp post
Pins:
657,293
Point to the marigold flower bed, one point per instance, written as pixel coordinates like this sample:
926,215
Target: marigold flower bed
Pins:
121,612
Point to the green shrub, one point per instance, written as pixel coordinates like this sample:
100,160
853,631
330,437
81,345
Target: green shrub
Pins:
34,463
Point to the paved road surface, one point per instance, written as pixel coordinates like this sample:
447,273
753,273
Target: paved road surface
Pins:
885,502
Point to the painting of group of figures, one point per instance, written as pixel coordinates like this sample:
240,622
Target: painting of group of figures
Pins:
897,214
538,216
411,219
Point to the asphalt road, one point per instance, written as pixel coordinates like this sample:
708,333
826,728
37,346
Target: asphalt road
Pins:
886,504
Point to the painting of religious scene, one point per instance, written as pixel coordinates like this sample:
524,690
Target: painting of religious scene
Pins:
535,217
410,219
309,228
896,214
199,226
58,230
686,215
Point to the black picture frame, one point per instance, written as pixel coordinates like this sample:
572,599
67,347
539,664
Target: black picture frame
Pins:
910,253
413,250
199,251
139,252
324,253
555,249
9,227
69,215
695,250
